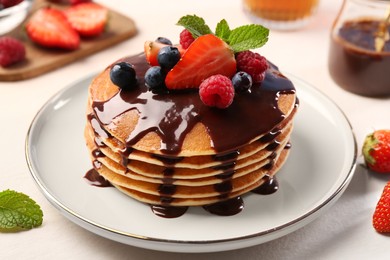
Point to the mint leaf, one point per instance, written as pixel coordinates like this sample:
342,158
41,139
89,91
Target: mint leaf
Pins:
18,212
248,37
195,25
222,30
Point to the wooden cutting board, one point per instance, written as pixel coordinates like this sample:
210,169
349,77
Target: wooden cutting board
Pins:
40,60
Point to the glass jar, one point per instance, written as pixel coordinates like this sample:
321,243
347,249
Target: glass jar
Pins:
359,54
280,14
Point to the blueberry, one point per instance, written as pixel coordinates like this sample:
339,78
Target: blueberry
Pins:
123,75
155,78
164,40
242,81
168,56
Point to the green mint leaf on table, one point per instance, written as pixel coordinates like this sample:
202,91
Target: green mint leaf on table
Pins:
195,25
222,30
248,37
18,212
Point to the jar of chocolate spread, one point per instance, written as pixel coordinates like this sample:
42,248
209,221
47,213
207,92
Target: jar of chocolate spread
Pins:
359,55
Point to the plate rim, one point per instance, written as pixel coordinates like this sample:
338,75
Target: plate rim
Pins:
88,223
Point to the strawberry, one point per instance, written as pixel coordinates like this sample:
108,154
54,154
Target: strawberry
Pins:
50,28
208,55
376,151
151,49
88,19
381,217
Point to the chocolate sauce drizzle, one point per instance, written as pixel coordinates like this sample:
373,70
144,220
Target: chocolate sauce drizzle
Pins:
173,115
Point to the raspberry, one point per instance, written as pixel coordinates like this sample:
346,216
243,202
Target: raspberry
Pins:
9,3
11,51
252,63
217,91
186,38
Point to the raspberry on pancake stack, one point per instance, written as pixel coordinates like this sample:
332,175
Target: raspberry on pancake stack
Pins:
175,127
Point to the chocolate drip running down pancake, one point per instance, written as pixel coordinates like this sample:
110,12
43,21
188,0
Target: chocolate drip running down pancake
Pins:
170,150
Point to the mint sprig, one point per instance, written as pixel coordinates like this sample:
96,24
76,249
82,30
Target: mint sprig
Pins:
242,38
18,212
195,25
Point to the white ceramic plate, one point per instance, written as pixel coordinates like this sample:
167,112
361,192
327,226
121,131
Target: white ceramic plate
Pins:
320,166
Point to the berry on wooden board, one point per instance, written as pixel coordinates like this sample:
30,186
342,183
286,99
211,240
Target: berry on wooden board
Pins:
11,51
49,27
88,19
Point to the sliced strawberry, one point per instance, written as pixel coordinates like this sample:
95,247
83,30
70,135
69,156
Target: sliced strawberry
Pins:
88,19
208,55
151,49
50,28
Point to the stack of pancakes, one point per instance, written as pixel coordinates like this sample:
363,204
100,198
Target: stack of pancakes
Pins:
128,149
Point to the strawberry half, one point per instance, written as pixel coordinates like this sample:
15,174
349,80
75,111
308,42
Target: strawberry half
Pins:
381,217
376,151
50,28
151,49
88,19
208,55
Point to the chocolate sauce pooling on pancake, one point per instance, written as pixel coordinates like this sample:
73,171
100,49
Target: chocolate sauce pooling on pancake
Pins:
172,115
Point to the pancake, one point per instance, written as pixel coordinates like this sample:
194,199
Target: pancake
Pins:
168,149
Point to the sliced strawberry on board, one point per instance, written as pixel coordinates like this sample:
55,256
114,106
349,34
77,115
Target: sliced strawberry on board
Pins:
49,27
88,19
208,55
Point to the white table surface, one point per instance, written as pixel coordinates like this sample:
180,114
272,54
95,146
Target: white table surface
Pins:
342,232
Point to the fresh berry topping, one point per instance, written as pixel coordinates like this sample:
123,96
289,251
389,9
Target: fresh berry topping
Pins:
50,28
242,81
123,75
88,19
11,51
217,91
151,50
9,3
376,151
381,216
186,38
208,55
167,57
164,40
252,63
154,78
